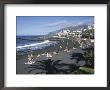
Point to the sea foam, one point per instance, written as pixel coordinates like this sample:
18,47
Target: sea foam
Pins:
35,45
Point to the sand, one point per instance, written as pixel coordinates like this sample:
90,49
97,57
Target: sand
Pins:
22,68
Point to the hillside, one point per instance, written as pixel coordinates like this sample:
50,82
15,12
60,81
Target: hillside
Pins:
70,28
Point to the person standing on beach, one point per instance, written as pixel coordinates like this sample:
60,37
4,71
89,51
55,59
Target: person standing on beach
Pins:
30,59
49,56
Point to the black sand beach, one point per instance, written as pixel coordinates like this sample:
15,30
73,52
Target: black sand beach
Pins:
64,56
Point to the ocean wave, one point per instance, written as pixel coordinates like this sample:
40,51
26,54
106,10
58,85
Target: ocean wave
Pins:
35,45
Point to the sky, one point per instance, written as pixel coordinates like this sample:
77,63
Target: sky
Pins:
42,25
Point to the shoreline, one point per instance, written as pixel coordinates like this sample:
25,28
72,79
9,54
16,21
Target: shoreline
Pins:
61,51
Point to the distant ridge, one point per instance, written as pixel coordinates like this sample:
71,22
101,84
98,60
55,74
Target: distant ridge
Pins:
70,28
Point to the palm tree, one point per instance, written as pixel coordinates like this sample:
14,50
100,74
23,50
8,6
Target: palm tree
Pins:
78,56
53,67
89,56
47,66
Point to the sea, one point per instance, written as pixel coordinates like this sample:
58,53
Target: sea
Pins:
24,43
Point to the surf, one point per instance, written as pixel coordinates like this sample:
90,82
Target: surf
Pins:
35,45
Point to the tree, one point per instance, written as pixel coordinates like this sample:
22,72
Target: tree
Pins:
89,56
53,67
88,34
79,56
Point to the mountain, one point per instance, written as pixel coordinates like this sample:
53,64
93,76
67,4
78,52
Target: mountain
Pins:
70,28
